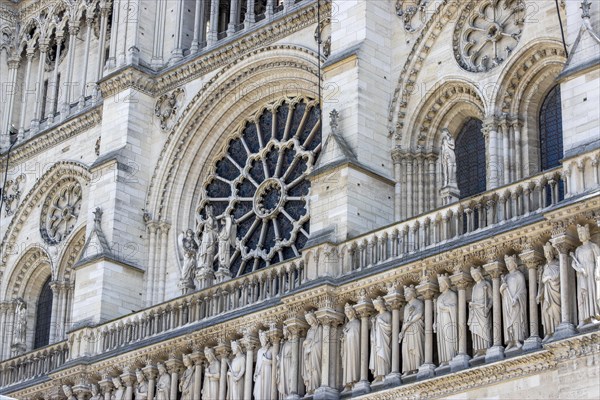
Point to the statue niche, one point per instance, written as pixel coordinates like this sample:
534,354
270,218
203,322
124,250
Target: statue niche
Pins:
449,190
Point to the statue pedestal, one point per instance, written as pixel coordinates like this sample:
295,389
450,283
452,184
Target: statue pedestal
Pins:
186,286
393,379
360,388
532,343
450,194
326,393
18,349
494,353
205,277
426,371
223,275
459,362
563,331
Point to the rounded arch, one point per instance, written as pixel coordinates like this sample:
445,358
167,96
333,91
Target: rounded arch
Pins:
233,94
35,197
70,255
448,106
33,266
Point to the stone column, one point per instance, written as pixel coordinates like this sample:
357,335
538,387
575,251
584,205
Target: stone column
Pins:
128,379
223,350
496,352
198,26
428,289
174,365
532,260
13,65
519,167
490,132
43,45
275,335
364,308
151,373
164,231
68,81
197,357
563,243
462,280
297,328
250,17
214,22
88,34
104,10
329,319
249,341
30,54
82,390
107,386
395,300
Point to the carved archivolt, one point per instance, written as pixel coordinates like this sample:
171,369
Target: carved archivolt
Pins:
12,195
487,32
261,182
411,10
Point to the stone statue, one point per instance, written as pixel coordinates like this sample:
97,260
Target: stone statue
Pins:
186,383
141,390
68,392
350,349
264,366
163,385
235,375
285,364
514,304
480,313
20,336
549,291
445,325
312,351
227,239
448,159
189,247
412,334
209,239
586,261
212,376
119,391
381,341
95,392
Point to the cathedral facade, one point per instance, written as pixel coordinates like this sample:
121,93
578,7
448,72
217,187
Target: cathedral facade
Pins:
288,199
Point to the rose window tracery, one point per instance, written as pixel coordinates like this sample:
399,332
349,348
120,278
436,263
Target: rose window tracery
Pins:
261,182
487,33
60,211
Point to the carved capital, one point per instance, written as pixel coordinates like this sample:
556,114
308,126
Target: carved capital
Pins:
531,258
428,289
174,364
150,371
461,279
495,269
296,326
128,377
329,316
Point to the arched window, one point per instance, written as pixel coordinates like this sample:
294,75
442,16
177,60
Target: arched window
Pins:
470,159
551,136
43,316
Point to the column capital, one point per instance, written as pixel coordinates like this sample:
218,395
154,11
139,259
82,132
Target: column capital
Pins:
275,334
394,298
128,377
174,364
197,357
563,243
329,316
150,371
461,279
532,258
427,289
13,62
249,340
106,384
364,308
495,268
296,326
223,349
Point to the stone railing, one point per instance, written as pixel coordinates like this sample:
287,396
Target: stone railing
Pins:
474,214
33,364
217,300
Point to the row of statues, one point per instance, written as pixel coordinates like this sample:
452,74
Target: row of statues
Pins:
215,244
289,363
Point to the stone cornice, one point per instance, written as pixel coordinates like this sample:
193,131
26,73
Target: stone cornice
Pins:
55,135
155,84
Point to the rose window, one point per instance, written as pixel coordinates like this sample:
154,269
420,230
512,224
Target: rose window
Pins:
60,211
261,181
487,33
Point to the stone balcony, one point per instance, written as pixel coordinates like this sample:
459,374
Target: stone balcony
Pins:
476,231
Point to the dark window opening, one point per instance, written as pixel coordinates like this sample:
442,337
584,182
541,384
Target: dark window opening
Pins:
43,317
551,136
470,159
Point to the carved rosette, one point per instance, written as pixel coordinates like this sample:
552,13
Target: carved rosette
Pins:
167,106
487,33
60,211
261,181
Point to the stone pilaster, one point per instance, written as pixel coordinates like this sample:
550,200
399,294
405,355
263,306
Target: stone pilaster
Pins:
462,280
496,352
532,260
428,289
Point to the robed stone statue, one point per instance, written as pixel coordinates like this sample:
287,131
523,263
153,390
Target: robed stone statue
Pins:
480,313
412,334
235,375
586,261
163,384
285,364
263,369
350,349
212,375
549,291
445,326
381,341
514,304
312,351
